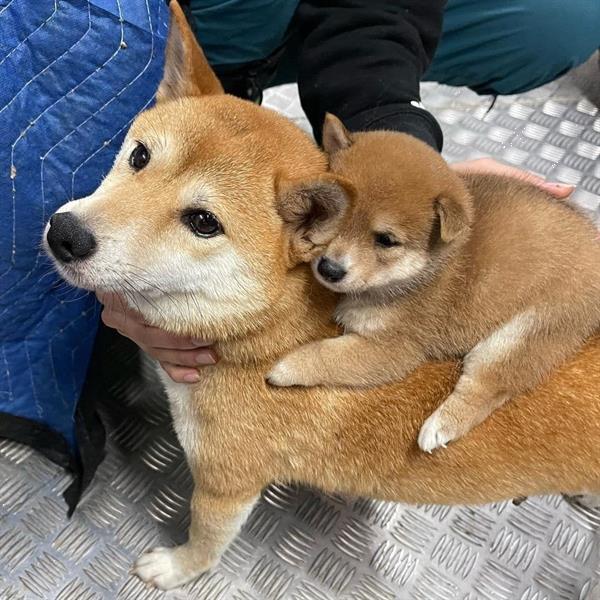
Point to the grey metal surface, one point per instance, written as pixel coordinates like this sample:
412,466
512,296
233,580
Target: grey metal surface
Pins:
300,544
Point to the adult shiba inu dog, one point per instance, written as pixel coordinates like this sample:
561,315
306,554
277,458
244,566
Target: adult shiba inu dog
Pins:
434,266
205,223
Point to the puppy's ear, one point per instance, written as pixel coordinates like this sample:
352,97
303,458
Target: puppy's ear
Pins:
312,213
335,136
187,72
452,216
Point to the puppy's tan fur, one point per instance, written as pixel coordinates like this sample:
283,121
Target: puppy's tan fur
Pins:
246,289
487,267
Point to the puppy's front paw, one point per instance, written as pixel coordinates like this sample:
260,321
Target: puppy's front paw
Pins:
284,374
162,568
436,432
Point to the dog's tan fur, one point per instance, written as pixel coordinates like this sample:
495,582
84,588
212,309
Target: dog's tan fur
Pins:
239,434
488,268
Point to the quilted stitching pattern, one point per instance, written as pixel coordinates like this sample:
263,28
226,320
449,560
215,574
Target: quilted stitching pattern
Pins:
73,74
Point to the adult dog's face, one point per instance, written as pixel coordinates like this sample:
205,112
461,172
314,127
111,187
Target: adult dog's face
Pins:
187,216
199,218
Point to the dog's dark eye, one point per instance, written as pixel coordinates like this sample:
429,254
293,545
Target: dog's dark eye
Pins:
203,223
385,240
139,157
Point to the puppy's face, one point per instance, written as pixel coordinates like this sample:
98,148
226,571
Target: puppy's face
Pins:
190,224
374,248
408,210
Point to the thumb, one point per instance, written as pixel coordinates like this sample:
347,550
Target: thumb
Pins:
526,177
558,190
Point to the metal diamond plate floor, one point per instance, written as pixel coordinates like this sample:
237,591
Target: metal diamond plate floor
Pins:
299,544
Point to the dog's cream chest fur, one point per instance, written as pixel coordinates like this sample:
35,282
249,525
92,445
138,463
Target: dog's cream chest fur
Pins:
185,418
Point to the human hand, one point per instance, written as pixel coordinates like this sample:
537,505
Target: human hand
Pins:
489,165
180,357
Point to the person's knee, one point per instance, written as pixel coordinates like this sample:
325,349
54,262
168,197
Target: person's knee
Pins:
500,47
556,35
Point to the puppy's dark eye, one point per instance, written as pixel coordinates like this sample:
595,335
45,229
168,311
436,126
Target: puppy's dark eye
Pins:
203,223
139,157
385,240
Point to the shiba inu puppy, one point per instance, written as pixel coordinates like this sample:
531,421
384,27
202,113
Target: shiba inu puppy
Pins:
434,266
205,223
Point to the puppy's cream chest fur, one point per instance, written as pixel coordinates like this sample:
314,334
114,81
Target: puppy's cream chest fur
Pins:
361,318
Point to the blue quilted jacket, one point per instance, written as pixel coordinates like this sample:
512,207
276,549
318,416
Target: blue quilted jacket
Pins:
73,74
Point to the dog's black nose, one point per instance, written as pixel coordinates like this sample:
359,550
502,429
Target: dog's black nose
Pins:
68,238
330,270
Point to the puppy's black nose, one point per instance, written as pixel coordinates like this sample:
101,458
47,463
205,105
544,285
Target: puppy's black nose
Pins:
68,238
330,270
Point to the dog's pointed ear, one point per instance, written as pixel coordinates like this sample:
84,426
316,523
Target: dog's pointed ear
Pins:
187,72
452,216
335,136
312,212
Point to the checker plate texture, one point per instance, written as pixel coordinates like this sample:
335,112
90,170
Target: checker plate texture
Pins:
299,544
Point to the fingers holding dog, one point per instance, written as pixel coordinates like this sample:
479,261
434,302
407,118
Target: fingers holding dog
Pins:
179,356
489,165
180,374
131,325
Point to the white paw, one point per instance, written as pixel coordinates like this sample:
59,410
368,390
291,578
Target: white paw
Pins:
282,375
160,568
435,433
